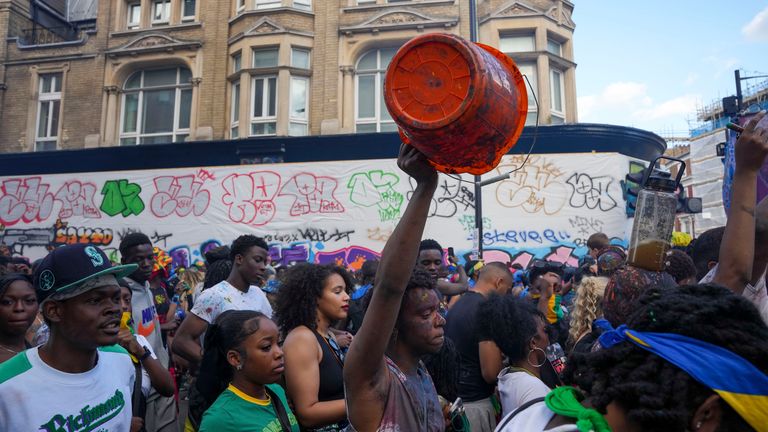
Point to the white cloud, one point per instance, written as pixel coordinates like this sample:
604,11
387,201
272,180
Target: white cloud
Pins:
675,107
757,29
691,79
629,104
721,64
614,100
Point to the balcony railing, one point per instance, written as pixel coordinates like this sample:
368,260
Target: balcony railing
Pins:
51,35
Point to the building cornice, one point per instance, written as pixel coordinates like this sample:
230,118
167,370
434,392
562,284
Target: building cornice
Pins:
517,9
153,42
134,32
268,12
372,7
398,19
50,59
267,27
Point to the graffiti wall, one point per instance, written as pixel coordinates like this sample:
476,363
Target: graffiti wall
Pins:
323,212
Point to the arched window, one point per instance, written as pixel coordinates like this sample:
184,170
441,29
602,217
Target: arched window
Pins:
156,106
371,113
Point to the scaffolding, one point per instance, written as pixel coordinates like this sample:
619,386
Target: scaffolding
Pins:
710,117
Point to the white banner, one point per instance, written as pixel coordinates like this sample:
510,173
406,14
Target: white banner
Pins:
340,211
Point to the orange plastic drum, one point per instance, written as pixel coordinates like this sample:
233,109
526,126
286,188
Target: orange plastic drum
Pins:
461,104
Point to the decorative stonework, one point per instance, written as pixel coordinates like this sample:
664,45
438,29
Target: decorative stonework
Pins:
110,90
398,19
265,25
517,9
196,81
153,42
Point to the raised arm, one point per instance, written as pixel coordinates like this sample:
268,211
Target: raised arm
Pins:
737,250
365,367
454,288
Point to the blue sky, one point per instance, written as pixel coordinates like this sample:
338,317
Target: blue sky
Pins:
649,64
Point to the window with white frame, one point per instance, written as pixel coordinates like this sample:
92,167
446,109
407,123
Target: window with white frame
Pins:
298,121
240,5
517,43
237,62
234,130
263,105
48,111
188,10
555,47
134,16
529,70
302,4
161,11
263,58
300,58
371,114
156,106
557,96
268,4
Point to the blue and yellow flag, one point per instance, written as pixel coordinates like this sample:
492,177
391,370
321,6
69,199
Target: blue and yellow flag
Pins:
743,386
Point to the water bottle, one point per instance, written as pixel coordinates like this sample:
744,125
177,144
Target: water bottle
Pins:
654,218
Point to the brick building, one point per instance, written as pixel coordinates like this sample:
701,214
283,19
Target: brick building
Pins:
88,73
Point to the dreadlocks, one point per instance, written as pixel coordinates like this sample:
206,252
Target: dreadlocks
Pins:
657,395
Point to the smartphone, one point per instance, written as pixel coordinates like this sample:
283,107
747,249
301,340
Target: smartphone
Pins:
450,252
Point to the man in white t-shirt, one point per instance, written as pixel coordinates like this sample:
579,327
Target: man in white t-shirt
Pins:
79,379
238,292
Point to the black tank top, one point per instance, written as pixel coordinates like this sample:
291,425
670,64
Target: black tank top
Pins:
331,373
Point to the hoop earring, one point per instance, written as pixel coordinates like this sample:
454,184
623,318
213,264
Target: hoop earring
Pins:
528,358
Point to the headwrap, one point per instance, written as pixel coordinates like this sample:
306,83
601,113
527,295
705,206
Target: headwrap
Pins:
161,264
624,288
609,260
744,387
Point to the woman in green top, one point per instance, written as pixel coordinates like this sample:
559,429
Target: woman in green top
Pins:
241,364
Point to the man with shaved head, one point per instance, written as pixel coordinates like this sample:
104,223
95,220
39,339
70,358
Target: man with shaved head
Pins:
480,359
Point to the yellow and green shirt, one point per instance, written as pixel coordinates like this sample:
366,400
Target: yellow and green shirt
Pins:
236,411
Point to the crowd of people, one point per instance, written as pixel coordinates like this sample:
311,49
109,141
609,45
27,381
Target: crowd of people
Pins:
411,342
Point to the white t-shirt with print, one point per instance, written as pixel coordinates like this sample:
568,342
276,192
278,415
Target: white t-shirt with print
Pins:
36,397
223,297
756,294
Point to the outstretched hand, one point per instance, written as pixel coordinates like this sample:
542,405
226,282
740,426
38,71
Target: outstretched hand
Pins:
752,146
416,165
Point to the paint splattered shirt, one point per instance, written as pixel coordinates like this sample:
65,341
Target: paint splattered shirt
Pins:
223,297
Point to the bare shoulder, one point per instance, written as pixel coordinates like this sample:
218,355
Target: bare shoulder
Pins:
301,339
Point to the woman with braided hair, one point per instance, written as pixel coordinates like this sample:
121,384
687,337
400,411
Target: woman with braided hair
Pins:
241,364
692,358
587,307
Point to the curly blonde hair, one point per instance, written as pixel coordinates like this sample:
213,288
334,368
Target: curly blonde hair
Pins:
587,307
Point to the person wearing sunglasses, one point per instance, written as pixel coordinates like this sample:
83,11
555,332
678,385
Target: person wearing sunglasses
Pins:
311,299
